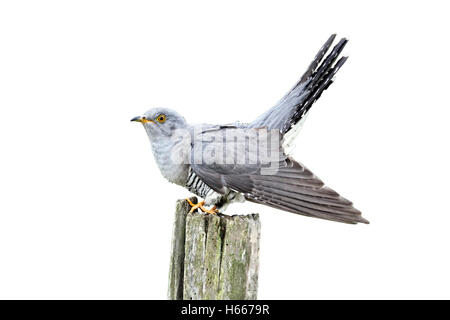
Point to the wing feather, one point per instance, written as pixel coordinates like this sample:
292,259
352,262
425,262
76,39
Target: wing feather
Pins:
292,187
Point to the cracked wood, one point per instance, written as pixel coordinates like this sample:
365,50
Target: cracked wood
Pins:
213,256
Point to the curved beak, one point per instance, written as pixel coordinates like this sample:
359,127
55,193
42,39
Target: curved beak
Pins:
141,119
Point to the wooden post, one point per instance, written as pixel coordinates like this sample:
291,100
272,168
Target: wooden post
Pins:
213,256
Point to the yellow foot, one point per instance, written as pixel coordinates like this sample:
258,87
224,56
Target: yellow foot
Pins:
200,206
213,210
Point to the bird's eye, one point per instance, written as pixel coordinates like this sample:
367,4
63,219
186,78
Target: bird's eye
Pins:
161,118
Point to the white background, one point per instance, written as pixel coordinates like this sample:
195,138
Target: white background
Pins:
84,211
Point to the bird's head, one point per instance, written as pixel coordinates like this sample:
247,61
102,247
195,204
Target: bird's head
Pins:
159,122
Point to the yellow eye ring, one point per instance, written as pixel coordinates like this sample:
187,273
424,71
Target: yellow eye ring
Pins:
161,118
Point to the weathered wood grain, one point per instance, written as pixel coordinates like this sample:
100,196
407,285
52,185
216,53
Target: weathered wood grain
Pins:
213,256
176,269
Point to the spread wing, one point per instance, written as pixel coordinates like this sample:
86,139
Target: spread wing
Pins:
283,183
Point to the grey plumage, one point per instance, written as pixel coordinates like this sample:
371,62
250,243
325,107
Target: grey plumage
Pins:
196,185
297,102
291,187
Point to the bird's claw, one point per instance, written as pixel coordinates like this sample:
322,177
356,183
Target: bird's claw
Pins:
213,210
200,206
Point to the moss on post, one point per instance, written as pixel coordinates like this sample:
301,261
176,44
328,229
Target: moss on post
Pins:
213,256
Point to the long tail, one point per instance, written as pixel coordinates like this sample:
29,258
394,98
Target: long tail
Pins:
297,102
317,79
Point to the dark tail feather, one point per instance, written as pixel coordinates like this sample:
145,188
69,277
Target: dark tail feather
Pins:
323,85
313,65
319,56
317,78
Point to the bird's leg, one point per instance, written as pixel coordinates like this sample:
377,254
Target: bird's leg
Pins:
200,206
213,210
194,206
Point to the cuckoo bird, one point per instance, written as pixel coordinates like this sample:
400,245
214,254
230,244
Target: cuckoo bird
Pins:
251,161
